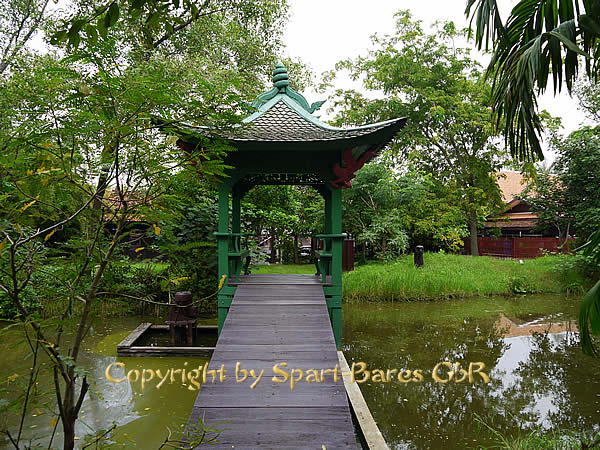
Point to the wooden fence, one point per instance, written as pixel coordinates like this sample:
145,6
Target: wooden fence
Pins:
348,256
347,252
516,247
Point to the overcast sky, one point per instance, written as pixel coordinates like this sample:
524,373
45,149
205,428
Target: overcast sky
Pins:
323,32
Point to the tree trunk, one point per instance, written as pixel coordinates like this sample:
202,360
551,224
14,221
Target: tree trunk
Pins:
383,249
68,418
473,230
562,248
273,256
107,156
296,261
69,432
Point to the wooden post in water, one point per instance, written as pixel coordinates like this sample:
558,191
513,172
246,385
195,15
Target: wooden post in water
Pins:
419,256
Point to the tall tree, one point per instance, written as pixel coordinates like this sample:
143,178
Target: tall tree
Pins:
546,195
89,116
284,214
373,211
578,168
435,83
390,211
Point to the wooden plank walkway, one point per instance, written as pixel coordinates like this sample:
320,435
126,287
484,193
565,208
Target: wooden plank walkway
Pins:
275,319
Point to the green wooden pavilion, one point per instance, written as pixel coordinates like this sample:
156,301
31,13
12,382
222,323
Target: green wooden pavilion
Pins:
283,143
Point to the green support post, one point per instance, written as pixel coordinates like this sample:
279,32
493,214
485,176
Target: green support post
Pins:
336,229
237,264
334,299
236,211
327,199
226,293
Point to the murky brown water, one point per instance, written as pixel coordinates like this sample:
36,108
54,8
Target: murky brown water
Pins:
535,380
143,414
539,379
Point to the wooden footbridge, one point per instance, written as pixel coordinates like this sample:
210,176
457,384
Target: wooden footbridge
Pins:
275,319
266,320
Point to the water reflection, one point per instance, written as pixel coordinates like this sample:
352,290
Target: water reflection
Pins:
534,379
557,372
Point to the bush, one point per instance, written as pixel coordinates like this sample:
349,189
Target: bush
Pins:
575,271
188,246
8,310
45,290
147,278
520,285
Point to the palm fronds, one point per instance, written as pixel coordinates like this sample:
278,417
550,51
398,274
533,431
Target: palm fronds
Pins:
539,38
589,311
589,320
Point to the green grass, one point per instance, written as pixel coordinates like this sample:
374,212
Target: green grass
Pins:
285,268
539,438
447,276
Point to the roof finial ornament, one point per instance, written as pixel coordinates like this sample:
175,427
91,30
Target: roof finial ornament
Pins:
281,88
280,77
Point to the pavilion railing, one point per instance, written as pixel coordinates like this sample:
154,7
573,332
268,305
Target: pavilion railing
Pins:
238,258
328,257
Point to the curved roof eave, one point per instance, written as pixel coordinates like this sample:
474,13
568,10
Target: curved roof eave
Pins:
284,118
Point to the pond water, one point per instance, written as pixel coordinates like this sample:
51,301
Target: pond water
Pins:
143,415
534,380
